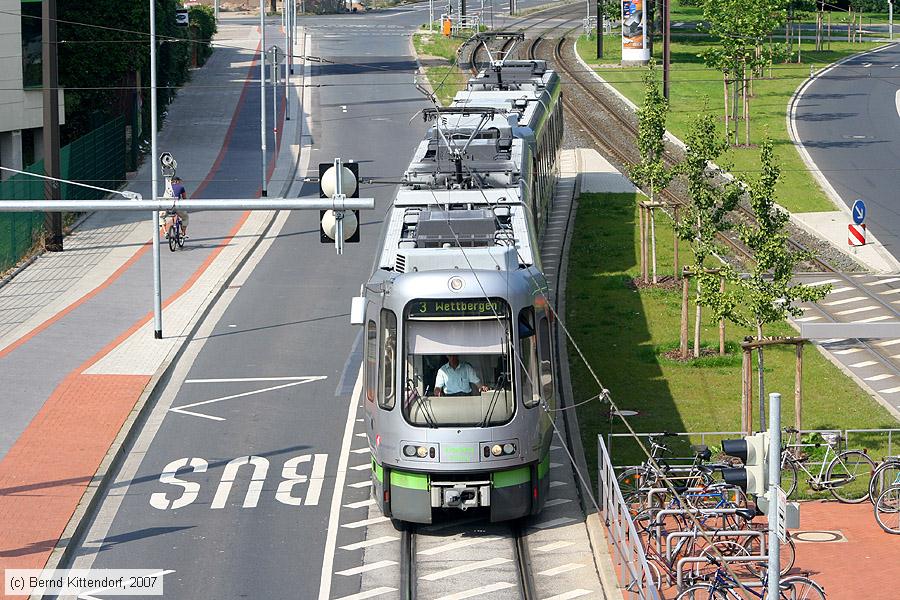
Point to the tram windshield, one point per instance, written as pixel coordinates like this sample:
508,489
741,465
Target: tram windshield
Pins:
458,373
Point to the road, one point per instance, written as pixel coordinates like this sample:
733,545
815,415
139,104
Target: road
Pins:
260,407
849,122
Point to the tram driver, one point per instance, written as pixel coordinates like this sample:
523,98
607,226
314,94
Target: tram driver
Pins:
457,378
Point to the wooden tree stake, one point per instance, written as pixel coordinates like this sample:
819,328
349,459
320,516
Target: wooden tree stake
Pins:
798,382
675,241
722,321
685,283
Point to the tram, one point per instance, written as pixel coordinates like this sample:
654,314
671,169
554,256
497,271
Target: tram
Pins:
458,356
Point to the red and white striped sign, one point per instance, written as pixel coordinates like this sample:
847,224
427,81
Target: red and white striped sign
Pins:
856,234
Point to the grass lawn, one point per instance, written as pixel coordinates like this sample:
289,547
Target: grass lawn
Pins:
693,14
447,80
622,332
696,89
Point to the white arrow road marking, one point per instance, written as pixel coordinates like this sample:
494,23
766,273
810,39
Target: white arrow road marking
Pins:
87,595
181,409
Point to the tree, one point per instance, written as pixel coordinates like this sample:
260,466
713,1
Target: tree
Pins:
651,171
742,29
765,293
707,213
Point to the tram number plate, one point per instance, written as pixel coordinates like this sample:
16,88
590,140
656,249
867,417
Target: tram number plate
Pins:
456,308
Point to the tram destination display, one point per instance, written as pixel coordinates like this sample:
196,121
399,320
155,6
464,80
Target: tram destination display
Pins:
430,308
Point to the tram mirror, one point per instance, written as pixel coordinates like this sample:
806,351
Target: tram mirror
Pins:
358,311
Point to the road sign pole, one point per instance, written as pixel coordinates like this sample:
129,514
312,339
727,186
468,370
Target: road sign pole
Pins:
262,92
154,181
275,98
774,483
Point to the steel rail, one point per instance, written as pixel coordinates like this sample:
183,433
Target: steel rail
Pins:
408,563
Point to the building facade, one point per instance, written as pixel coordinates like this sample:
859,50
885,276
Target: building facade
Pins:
21,100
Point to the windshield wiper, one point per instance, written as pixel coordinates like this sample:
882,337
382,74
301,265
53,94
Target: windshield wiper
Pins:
420,400
490,411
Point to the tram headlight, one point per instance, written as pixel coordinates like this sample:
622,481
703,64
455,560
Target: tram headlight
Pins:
421,451
409,451
509,448
496,449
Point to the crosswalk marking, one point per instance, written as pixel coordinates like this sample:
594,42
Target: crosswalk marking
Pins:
360,484
554,484
892,390
365,568
556,502
360,504
890,343
890,292
876,319
481,564
848,351
844,301
361,467
853,311
360,451
883,281
479,591
561,569
865,363
366,543
879,377
841,290
365,522
807,319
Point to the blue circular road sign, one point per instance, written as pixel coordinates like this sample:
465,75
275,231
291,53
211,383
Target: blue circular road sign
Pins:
859,211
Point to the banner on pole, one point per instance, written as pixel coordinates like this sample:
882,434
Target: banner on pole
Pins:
635,49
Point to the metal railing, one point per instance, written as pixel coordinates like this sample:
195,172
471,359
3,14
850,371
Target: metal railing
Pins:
632,569
457,23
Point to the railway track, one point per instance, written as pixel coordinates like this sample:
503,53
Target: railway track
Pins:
438,559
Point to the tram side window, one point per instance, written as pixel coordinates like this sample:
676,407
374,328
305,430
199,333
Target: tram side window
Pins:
371,359
546,344
388,353
528,356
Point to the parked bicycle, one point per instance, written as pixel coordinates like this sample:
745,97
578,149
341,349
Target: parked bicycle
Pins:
844,473
886,474
887,509
724,586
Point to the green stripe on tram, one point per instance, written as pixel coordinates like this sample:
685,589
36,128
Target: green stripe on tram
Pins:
512,477
378,470
412,481
544,467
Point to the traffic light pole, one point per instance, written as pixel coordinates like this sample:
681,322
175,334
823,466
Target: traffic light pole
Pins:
774,484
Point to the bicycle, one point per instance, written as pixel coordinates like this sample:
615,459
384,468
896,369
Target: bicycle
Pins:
886,475
887,509
847,475
175,234
726,587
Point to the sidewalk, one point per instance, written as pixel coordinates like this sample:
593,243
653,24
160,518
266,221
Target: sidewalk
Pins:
77,354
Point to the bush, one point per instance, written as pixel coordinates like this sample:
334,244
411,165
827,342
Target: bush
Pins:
203,28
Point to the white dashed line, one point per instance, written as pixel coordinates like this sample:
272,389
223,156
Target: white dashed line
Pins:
879,377
824,282
359,484
883,281
554,546
554,484
361,503
892,390
554,465
865,363
807,319
370,594
845,301
361,467
890,343
479,591
561,569
366,543
853,311
889,292
553,523
360,451
556,502
456,545
876,319
365,568
847,351
365,522
481,564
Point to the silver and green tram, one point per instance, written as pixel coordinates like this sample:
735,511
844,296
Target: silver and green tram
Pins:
459,275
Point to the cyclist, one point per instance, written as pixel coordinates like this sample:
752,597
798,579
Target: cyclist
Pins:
178,191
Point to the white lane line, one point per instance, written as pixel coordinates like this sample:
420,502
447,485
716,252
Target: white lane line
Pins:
807,319
883,281
844,301
365,522
579,593
553,523
847,351
554,546
479,591
455,545
889,292
876,319
180,409
554,484
840,290
243,379
865,363
361,467
481,564
853,311
366,543
360,484
369,594
889,343
360,451
365,568
561,569
892,390
556,502
360,504
879,377
337,496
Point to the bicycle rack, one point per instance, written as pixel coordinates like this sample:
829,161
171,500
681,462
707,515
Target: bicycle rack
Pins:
729,559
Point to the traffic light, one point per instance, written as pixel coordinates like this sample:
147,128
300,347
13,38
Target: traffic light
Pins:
350,188
753,451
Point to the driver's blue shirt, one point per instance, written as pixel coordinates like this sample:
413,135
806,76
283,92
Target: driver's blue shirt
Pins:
458,380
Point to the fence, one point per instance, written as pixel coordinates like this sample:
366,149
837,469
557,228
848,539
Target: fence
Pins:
631,561
97,158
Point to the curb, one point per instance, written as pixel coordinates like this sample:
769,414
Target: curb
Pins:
78,524
595,530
